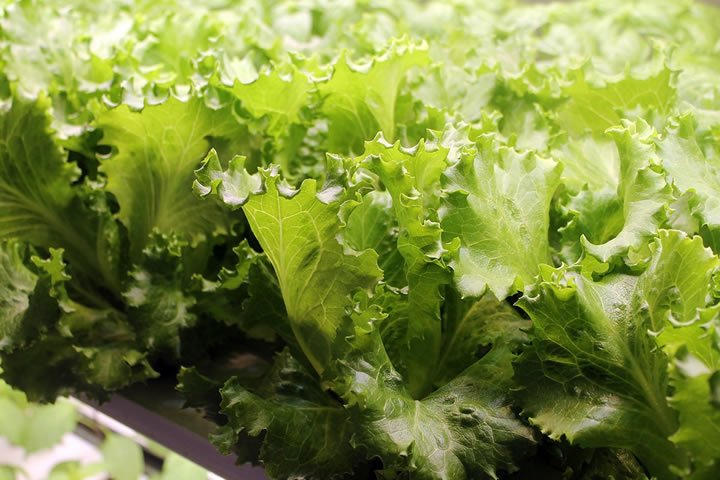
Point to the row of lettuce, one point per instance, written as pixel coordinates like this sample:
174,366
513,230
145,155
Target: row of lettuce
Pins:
461,240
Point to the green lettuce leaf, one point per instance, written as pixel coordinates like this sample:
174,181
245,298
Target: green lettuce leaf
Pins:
498,206
472,326
370,224
626,212
40,201
298,232
93,349
307,432
690,336
156,293
412,177
276,97
36,179
595,372
694,168
156,152
465,429
596,107
360,100
23,312
695,398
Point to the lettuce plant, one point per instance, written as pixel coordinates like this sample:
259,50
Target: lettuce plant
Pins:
465,239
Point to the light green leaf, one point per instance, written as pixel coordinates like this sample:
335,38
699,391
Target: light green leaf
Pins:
233,185
156,151
412,178
34,177
591,159
75,470
676,289
368,224
275,96
176,467
7,472
299,234
316,277
35,427
695,399
122,457
596,107
622,217
526,126
692,168
575,380
498,206
12,420
676,285
360,99
450,86
37,200
46,424
371,224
